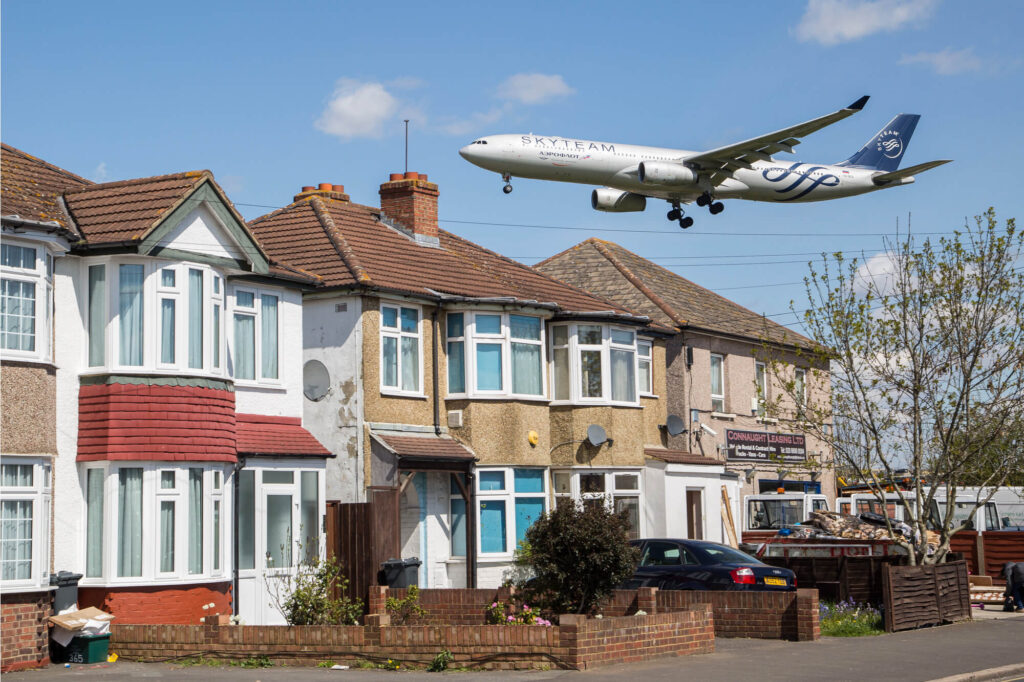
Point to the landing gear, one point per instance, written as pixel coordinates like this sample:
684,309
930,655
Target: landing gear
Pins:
507,189
704,199
685,222
677,213
716,208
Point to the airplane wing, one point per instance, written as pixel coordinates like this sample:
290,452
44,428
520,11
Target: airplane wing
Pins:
897,175
720,163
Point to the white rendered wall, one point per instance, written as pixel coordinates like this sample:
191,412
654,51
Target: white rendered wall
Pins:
202,232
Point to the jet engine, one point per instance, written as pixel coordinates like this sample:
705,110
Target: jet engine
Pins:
660,173
617,201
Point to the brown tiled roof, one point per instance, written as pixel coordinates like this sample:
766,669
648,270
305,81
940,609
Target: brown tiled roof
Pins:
611,271
31,187
346,244
259,434
428,447
681,457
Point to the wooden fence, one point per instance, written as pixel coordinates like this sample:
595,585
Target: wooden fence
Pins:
361,535
916,596
840,578
987,552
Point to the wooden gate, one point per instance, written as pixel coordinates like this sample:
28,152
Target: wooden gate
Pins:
916,596
362,535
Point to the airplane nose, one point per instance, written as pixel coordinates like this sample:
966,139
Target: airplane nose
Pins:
465,152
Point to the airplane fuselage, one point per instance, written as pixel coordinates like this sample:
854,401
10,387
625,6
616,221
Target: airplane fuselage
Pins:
616,165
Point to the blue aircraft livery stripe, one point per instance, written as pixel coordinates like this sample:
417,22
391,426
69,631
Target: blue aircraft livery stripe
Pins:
802,176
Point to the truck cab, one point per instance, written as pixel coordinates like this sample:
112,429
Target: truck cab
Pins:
772,512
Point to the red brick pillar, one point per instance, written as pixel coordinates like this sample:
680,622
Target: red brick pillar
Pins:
569,625
808,627
378,597
647,600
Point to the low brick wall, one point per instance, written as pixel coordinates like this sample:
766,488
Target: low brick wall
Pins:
444,607
158,604
759,615
577,644
24,634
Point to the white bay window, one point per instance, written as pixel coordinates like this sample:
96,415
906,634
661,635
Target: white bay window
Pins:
509,501
26,286
495,354
615,490
255,355
594,363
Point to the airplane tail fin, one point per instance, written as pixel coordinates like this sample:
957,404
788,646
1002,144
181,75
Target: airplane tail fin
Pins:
885,150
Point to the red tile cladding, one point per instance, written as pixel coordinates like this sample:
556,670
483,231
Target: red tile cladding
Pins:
263,435
155,423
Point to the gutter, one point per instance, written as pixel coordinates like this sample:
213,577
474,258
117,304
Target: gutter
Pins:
49,227
434,370
239,464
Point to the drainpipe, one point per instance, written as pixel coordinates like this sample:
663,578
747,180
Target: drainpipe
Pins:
239,464
434,371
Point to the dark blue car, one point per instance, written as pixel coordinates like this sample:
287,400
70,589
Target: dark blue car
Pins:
671,564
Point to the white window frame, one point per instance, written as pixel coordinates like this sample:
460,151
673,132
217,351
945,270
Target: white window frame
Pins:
648,359
152,496
509,497
255,312
760,387
171,293
719,397
800,391
471,338
40,494
576,364
41,276
397,334
608,496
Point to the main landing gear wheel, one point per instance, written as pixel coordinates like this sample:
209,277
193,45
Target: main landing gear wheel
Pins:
685,222
704,199
507,177
675,214
507,189
716,208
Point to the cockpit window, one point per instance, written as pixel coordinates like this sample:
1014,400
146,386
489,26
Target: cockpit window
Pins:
479,142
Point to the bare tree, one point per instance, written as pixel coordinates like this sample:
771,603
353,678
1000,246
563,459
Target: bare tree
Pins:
925,343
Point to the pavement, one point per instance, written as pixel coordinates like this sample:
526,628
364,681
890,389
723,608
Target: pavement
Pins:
972,651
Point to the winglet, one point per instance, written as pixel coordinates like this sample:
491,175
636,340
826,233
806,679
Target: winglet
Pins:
859,104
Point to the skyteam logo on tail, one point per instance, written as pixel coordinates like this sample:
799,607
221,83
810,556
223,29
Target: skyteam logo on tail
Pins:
890,144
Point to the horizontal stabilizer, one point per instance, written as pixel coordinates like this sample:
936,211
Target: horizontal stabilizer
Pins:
896,176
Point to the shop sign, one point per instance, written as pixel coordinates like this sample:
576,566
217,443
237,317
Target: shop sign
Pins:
762,446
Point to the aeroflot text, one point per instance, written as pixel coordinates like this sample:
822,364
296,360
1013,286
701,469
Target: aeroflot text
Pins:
559,143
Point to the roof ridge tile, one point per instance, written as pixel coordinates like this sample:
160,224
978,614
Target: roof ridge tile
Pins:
100,186
35,159
341,245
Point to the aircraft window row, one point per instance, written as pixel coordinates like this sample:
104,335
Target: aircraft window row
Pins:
479,142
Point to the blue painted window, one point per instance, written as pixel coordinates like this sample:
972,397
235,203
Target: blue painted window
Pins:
492,480
492,526
529,480
528,510
488,366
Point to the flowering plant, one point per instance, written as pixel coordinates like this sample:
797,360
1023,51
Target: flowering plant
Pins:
499,613
849,619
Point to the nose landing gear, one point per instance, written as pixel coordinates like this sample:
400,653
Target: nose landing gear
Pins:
677,213
507,189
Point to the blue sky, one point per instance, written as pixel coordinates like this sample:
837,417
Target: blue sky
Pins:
271,96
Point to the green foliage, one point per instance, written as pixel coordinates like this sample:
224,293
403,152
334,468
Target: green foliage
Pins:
847,619
406,609
307,597
252,662
325,664
440,662
577,556
500,613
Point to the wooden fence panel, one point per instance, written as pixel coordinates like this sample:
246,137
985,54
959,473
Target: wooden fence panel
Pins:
362,535
1000,547
916,596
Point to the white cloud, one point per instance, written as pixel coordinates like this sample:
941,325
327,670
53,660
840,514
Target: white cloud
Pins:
948,62
876,274
830,22
465,126
99,174
533,88
358,109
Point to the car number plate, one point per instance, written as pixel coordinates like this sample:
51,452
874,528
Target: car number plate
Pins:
774,581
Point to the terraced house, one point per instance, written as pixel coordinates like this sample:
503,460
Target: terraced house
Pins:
458,386
151,397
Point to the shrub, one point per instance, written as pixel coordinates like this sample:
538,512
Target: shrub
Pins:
500,613
405,609
848,619
577,556
307,597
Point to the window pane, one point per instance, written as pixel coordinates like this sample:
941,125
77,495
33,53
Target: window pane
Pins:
129,522
279,531
560,335
195,319
716,375
216,285
488,324
799,387
589,334
131,314
167,480
622,337
167,277
216,335
456,327
526,369
492,480
528,510
643,349
167,330
246,519
456,367
458,526
389,361
216,480
627,482
631,507
561,373
245,299
268,336
270,477
216,535
195,520
590,373
167,536
453,486
16,540
591,483
12,256
488,366
18,314
97,314
563,482
389,317
16,475
309,505
644,368
245,347
94,523
623,376
523,327
529,480
492,526
410,363
410,320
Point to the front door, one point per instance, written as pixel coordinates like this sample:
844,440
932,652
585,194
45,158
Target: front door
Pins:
694,515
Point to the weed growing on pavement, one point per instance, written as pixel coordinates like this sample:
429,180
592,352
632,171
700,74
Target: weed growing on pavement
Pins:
200,660
848,619
440,662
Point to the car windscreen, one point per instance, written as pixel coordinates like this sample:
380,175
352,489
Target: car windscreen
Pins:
720,554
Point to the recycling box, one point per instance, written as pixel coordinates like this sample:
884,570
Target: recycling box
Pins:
82,649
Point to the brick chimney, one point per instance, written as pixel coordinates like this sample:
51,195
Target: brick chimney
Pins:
324,190
411,203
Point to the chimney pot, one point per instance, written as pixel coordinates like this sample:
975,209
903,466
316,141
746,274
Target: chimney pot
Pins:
412,175
325,186
395,177
339,188
308,188
423,177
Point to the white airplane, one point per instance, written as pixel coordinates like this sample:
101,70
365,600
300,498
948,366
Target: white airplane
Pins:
745,170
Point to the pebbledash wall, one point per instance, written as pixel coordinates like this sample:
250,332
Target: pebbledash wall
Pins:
25,637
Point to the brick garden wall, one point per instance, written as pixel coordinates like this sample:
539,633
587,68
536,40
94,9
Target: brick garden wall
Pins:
24,635
444,607
159,605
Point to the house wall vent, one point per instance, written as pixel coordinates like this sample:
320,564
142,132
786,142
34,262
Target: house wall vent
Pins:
454,419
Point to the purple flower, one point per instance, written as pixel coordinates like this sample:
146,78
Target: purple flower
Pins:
510,619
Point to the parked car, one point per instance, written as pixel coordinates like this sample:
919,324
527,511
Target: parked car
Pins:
671,564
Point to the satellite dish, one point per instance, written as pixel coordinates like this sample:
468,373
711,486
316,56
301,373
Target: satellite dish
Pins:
316,380
675,425
596,435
